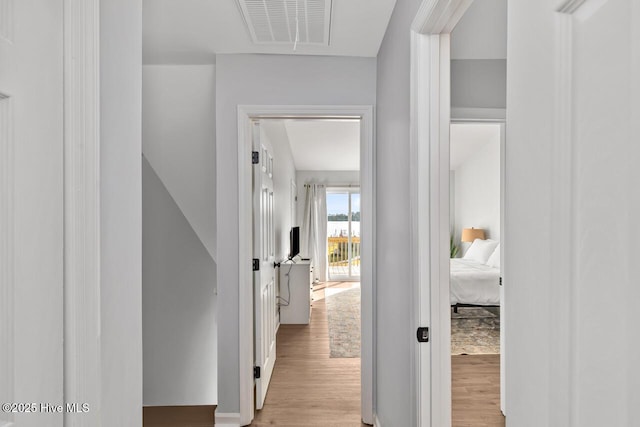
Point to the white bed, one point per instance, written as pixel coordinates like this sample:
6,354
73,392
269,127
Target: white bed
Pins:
474,283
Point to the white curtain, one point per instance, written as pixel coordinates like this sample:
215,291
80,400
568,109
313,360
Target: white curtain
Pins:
313,242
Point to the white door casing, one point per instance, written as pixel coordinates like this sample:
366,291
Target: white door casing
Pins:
429,210
264,299
31,209
503,267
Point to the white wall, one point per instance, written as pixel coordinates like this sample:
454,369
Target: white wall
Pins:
395,331
255,80
327,178
178,303
477,191
479,83
478,53
178,248
481,32
179,139
120,210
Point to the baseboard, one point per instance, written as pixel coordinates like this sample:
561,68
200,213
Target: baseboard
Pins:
230,419
177,416
376,421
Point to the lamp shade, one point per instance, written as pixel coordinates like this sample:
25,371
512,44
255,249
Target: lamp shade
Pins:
471,234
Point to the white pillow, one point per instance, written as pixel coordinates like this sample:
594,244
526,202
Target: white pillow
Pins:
494,259
480,250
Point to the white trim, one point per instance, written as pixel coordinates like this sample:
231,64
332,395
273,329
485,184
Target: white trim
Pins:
376,421
504,263
562,210
570,6
7,277
429,186
581,9
478,114
421,356
367,201
82,377
230,419
439,16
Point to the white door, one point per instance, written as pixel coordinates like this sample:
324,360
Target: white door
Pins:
573,205
264,285
31,210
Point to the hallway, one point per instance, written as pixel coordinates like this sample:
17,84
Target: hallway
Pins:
308,387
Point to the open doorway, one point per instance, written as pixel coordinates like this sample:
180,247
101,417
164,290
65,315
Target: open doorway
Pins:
303,305
476,193
467,85
313,361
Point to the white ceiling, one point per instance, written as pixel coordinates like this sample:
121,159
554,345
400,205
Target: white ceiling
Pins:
193,31
467,139
320,145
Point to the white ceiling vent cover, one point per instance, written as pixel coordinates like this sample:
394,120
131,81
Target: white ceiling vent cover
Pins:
274,21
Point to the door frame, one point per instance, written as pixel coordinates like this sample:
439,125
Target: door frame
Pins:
367,184
82,226
429,209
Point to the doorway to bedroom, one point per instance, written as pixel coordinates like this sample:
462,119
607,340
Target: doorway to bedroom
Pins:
475,191
314,163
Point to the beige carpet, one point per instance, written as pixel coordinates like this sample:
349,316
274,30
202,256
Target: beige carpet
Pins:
475,330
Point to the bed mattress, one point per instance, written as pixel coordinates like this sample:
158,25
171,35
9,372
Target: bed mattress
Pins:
474,283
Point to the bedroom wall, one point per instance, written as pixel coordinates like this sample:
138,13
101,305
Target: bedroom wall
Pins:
282,80
284,171
477,191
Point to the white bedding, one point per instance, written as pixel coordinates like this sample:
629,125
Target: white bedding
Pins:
474,283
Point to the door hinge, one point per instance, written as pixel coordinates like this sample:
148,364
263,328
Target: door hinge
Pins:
423,334
256,372
255,157
500,281
256,264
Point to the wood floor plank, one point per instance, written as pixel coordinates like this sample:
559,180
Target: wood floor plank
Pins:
475,390
308,388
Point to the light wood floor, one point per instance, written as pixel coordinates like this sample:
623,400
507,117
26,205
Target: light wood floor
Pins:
475,391
308,388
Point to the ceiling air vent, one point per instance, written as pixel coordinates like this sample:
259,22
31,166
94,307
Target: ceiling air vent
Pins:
274,21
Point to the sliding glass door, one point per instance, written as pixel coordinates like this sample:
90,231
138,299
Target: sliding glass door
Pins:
343,233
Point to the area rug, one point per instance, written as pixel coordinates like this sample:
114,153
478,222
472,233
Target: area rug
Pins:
475,330
343,317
